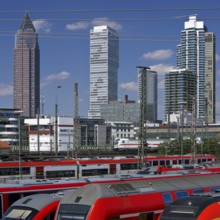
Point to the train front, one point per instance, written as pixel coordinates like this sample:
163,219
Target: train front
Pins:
80,204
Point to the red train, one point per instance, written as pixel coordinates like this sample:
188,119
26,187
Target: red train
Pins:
17,189
33,207
76,168
196,207
144,199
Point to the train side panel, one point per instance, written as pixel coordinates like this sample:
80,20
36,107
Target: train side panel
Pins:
48,212
127,207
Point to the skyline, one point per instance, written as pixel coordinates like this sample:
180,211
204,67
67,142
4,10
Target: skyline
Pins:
64,45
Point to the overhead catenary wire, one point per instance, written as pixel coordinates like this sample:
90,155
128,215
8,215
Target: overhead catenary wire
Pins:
111,10
112,19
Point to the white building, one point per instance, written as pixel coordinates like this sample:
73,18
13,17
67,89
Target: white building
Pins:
42,134
104,63
121,129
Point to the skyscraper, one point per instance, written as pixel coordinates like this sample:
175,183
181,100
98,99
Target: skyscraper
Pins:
104,63
150,87
196,53
27,69
179,92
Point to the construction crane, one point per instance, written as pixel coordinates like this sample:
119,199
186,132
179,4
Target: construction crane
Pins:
76,122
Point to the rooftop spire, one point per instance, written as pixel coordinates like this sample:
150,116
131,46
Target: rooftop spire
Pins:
27,23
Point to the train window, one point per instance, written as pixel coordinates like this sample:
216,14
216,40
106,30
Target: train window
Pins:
17,212
181,194
162,162
14,171
174,162
198,191
69,211
128,166
214,189
94,172
167,198
199,161
187,161
60,174
203,160
155,163
167,162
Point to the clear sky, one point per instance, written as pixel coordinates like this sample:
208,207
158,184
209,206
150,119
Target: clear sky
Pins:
149,32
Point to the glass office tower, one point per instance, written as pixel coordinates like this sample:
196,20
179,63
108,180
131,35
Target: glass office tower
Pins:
27,69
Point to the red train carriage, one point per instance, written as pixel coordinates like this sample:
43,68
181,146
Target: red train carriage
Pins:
76,168
196,207
17,189
33,207
132,200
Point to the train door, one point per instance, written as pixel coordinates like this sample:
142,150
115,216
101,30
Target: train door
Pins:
113,168
39,172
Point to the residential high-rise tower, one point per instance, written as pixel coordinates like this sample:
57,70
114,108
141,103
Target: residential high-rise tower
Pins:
27,69
196,53
104,63
179,92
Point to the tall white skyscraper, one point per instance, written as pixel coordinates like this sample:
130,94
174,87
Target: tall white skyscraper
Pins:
104,63
149,90
196,53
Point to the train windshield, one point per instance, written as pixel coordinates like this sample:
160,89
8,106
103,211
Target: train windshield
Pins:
19,213
72,212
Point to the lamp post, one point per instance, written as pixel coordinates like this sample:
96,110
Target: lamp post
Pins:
19,143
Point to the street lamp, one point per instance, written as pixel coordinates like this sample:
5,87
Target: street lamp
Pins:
19,142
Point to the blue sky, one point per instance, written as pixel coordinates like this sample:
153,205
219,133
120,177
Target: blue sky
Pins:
147,37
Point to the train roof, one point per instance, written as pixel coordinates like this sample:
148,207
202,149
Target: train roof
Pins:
116,159
37,201
89,193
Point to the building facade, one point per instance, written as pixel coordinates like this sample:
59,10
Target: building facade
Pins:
120,111
179,92
104,63
210,87
196,53
12,129
149,89
122,129
27,69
